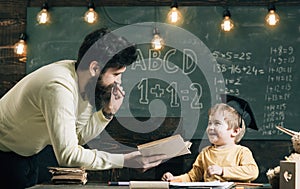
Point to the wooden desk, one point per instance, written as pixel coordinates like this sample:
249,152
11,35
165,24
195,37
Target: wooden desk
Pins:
103,185
86,186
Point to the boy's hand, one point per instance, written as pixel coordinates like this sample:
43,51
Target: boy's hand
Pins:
167,177
215,170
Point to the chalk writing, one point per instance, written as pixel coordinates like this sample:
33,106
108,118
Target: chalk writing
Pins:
232,55
279,87
192,94
156,61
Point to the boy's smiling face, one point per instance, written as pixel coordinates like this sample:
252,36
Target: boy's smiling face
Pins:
218,131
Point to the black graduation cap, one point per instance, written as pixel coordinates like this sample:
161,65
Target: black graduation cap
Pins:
242,107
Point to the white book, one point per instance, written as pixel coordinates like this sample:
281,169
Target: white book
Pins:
212,185
172,146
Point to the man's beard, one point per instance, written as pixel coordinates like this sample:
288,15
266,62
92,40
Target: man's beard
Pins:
96,93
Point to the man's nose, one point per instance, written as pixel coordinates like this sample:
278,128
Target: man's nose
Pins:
118,80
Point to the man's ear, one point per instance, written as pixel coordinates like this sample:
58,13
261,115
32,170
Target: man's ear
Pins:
94,69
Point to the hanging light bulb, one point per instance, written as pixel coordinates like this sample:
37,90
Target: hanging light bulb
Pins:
174,15
91,15
227,23
157,42
43,17
272,17
20,47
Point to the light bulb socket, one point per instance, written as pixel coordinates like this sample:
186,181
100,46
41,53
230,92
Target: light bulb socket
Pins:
91,5
155,31
271,6
23,36
174,4
226,12
45,6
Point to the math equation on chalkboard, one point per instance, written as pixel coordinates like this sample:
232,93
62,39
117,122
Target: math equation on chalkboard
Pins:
267,86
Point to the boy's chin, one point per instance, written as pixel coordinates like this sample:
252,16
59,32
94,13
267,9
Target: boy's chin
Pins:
213,140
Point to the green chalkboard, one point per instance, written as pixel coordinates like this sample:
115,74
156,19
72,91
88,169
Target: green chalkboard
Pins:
199,61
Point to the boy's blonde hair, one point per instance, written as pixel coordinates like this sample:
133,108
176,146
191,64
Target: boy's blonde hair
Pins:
232,118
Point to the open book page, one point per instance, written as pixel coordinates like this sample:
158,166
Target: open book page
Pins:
171,146
213,184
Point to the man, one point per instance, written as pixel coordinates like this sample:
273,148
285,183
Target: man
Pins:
66,104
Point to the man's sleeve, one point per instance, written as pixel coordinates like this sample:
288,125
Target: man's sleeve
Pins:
59,110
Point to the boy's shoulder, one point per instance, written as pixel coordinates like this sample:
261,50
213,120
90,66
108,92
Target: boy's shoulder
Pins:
242,149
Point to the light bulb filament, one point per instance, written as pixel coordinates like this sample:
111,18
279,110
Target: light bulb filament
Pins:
20,47
272,18
227,24
43,16
174,15
90,16
157,42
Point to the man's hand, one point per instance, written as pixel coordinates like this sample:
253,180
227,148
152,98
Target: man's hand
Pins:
136,160
116,99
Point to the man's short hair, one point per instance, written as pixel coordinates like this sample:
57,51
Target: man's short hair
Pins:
108,49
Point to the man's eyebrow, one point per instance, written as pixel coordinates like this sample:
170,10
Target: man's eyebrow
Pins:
121,71
118,72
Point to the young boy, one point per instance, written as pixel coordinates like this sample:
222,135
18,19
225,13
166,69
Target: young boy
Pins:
224,160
